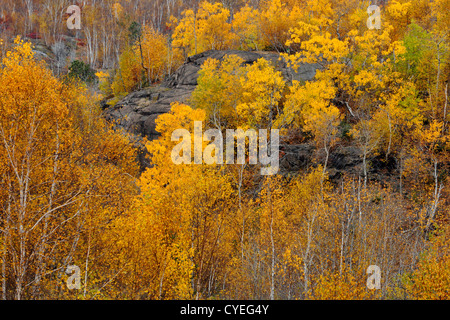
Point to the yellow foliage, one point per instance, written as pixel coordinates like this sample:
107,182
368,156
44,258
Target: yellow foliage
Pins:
147,61
219,89
179,218
262,90
242,96
158,59
129,74
203,30
246,27
346,284
377,107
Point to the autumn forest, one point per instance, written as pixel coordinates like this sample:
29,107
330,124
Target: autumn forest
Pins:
77,196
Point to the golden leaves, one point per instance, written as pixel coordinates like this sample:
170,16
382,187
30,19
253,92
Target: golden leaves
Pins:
146,61
66,173
262,90
203,30
246,27
239,96
431,280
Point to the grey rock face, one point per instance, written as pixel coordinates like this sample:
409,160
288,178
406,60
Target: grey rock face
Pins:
343,159
137,112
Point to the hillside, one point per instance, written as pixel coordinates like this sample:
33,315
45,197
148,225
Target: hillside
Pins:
224,150
136,113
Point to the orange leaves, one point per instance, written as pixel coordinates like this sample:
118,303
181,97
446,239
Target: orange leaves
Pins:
398,14
440,10
431,280
153,228
29,86
276,18
63,168
346,284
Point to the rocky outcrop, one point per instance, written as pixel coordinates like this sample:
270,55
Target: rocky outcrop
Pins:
137,112
295,157
58,56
